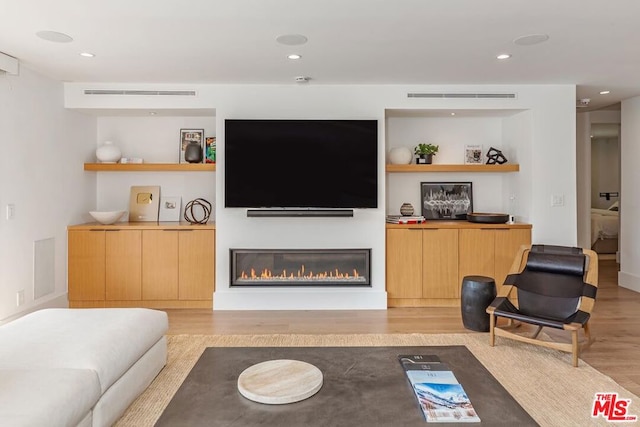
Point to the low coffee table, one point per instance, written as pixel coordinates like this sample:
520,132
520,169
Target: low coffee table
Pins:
276,382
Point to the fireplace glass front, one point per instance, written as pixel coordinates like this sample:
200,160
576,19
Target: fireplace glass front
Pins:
300,267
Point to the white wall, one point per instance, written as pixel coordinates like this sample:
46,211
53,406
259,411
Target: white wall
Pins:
605,170
42,149
540,136
629,275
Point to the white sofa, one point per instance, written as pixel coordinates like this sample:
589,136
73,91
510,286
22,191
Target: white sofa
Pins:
78,367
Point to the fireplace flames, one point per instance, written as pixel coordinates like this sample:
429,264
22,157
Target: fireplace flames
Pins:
300,274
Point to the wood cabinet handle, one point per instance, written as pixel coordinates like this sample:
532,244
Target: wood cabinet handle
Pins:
112,229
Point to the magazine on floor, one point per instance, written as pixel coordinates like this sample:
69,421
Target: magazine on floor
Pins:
439,394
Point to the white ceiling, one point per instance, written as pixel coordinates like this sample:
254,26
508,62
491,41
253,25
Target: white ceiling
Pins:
592,43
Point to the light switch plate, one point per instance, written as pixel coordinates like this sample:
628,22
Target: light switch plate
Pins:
170,207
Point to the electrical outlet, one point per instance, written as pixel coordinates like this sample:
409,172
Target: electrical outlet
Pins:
20,298
557,200
11,211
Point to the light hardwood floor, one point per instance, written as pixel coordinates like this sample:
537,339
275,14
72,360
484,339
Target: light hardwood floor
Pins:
615,325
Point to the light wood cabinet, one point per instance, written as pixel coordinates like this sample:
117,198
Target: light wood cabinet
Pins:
490,251
422,266
177,264
141,265
123,268
427,262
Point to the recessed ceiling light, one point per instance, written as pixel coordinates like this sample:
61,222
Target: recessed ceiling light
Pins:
87,54
605,92
291,39
531,39
152,113
294,56
504,56
453,114
54,36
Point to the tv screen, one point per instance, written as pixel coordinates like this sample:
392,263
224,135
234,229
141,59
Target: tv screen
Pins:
301,163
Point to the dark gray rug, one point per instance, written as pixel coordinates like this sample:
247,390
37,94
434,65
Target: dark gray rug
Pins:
363,386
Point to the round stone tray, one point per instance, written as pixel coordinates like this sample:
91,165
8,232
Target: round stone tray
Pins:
276,382
488,218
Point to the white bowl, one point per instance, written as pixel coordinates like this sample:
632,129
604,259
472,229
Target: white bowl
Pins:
106,217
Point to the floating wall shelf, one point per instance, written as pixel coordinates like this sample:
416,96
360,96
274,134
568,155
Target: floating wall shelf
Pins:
453,168
150,167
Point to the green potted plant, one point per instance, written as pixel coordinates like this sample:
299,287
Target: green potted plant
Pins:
425,153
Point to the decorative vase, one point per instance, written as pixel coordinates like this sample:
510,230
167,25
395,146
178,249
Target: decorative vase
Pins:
400,156
193,152
108,153
406,209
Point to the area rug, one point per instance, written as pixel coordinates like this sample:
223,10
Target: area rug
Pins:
541,380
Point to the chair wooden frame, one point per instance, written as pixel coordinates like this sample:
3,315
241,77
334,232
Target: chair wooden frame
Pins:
586,305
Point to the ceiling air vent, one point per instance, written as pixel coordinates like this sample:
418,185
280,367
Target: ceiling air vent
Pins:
141,92
463,95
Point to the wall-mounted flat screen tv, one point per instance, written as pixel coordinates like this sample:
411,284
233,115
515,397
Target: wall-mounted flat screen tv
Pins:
320,164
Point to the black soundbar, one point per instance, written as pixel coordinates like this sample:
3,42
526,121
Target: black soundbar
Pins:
272,213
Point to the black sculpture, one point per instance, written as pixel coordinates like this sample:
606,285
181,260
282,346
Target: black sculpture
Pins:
495,157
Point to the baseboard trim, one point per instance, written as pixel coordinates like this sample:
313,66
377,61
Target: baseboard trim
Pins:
629,281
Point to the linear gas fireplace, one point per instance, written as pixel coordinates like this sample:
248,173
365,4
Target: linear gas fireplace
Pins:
301,267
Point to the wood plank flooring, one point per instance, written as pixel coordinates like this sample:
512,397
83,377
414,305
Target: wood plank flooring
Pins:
615,325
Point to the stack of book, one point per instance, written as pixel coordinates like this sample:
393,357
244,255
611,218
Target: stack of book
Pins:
440,396
403,219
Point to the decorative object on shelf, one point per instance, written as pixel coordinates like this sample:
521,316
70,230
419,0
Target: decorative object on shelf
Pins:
400,219
190,213
188,136
170,208
406,209
446,200
488,218
495,157
473,155
400,156
136,160
108,153
144,203
210,149
425,153
193,152
107,217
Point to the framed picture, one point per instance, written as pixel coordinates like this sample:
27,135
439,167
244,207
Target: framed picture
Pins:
188,136
210,149
446,200
473,155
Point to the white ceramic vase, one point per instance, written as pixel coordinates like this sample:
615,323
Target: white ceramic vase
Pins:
108,153
400,156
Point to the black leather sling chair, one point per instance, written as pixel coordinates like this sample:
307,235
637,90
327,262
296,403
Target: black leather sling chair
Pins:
548,286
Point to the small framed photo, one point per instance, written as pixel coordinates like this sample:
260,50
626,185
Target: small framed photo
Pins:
446,200
210,149
189,136
473,155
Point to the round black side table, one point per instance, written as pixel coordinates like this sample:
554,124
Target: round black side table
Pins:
477,293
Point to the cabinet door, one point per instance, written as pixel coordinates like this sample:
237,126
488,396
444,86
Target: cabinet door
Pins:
196,259
404,263
123,265
440,263
477,253
160,264
86,265
508,241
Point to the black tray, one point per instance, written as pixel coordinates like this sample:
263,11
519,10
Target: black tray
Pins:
488,218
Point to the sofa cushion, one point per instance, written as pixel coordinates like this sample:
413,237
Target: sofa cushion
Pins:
106,340
47,397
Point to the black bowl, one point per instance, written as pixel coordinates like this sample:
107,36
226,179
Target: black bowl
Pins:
488,218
